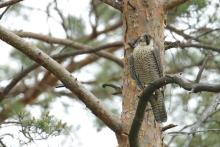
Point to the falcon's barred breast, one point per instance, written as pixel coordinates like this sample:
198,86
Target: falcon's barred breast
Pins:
145,67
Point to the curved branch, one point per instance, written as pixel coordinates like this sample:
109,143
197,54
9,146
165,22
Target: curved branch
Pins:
90,50
111,57
67,42
181,33
90,100
4,12
108,29
18,77
74,44
48,39
149,90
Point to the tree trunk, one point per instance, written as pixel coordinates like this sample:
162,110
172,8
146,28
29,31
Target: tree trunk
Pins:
140,16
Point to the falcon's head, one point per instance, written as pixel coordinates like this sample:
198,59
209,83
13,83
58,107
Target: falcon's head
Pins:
143,40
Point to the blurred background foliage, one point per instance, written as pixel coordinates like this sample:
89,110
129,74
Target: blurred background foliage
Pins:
197,18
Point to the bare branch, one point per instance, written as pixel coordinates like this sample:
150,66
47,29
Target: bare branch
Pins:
106,30
90,100
192,133
147,93
168,127
63,19
9,3
169,45
1,143
31,94
23,73
180,69
110,28
204,46
17,78
111,57
114,3
203,117
189,37
181,33
3,13
48,39
74,44
185,45
173,137
66,42
115,87
64,93
94,25
170,4
207,32
199,75
90,50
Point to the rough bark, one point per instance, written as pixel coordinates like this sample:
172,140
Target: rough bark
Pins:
140,16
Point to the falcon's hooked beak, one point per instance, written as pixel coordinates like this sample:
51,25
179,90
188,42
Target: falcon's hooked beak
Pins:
147,38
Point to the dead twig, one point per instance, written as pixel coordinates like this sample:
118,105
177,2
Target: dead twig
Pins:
168,127
9,3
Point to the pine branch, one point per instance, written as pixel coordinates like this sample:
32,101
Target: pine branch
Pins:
151,88
90,100
106,55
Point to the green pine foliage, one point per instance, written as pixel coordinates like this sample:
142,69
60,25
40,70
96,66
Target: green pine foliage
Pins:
40,128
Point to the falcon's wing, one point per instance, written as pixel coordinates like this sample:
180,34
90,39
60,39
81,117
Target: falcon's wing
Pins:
133,72
156,54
